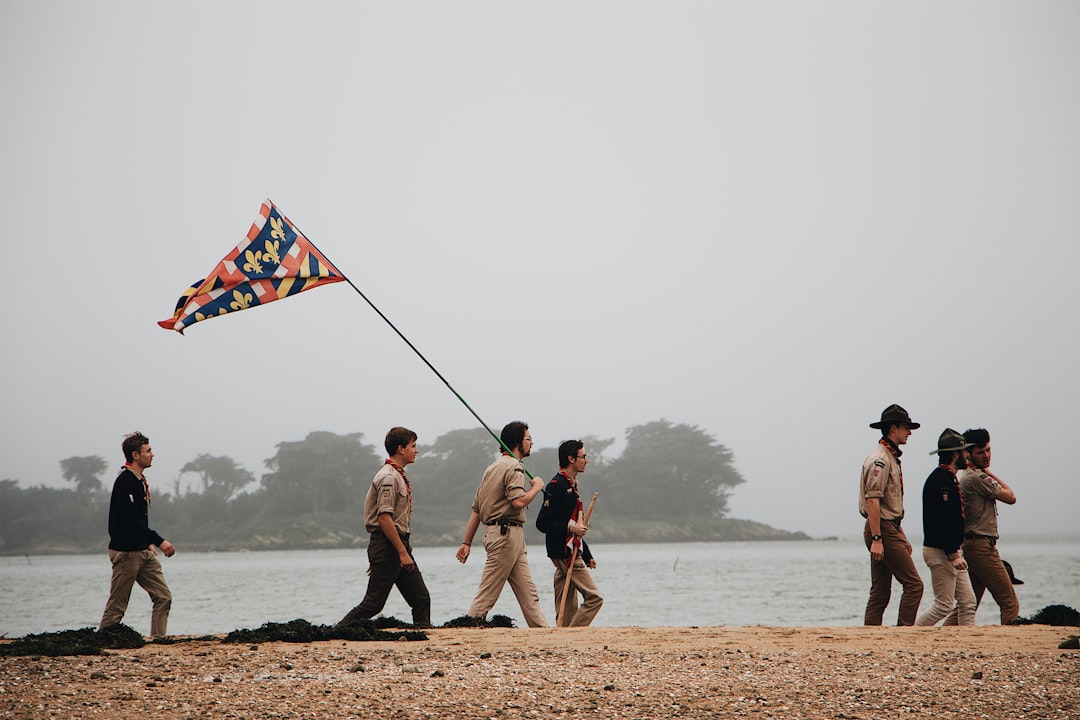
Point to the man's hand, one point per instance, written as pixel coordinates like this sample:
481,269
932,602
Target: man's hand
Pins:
537,483
167,548
877,550
577,529
463,552
959,562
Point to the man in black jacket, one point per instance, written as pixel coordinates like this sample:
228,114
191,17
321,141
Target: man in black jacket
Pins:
943,534
132,544
562,522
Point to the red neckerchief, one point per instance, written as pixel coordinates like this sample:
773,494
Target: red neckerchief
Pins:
408,485
896,453
145,484
573,542
956,482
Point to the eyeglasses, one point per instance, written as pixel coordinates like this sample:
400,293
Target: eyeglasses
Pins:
582,456
529,438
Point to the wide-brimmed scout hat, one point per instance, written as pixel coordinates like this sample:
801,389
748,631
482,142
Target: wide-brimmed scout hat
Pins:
951,441
894,415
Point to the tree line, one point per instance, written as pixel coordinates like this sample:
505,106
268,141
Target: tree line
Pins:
670,482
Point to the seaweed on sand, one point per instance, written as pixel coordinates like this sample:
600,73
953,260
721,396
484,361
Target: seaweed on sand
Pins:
467,621
1060,615
300,630
86,641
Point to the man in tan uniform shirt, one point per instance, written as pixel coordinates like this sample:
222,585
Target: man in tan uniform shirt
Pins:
982,490
881,502
500,504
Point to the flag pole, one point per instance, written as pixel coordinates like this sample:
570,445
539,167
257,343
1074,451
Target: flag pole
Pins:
560,617
415,350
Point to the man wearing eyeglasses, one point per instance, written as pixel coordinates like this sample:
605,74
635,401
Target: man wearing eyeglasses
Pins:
500,504
562,522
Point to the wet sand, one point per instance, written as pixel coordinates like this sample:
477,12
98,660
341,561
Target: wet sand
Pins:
682,672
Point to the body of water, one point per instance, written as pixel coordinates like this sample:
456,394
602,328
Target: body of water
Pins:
811,583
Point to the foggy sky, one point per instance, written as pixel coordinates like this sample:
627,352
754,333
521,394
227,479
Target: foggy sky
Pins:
769,219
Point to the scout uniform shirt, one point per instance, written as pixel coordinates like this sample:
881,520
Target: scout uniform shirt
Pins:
389,493
980,493
881,478
504,481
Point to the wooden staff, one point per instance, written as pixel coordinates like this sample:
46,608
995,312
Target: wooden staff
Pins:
570,567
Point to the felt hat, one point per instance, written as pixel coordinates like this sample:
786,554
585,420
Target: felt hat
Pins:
950,441
894,415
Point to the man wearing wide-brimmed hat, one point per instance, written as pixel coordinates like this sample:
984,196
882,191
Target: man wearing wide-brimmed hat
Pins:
881,502
943,533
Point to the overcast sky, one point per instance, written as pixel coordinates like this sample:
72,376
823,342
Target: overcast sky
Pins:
767,219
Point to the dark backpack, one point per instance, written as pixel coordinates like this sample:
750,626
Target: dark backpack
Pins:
543,518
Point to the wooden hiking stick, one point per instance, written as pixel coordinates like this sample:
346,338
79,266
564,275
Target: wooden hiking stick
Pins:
570,567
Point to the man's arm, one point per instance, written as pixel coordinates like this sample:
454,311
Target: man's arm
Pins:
873,516
470,532
389,529
523,501
1005,494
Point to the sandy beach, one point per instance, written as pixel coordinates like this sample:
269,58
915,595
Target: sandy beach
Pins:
708,672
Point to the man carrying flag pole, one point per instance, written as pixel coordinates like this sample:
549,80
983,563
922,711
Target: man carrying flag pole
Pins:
564,527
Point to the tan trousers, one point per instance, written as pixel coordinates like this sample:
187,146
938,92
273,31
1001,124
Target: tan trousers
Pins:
143,567
580,582
988,573
952,590
507,562
898,564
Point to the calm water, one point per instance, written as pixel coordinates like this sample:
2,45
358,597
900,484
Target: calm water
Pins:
815,583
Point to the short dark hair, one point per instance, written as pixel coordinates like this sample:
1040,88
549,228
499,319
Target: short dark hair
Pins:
568,450
133,443
978,437
398,437
513,434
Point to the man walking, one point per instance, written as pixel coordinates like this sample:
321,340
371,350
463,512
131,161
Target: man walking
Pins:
500,504
881,502
132,544
981,490
943,532
561,520
387,516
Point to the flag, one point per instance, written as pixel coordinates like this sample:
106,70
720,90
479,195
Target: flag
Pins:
274,262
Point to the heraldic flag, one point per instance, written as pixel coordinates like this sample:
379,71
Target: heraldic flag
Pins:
274,262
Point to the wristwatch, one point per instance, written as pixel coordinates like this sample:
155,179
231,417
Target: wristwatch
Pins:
875,537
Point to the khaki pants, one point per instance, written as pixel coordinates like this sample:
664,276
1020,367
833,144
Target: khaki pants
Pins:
952,590
896,563
143,567
580,582
988,573
507,562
